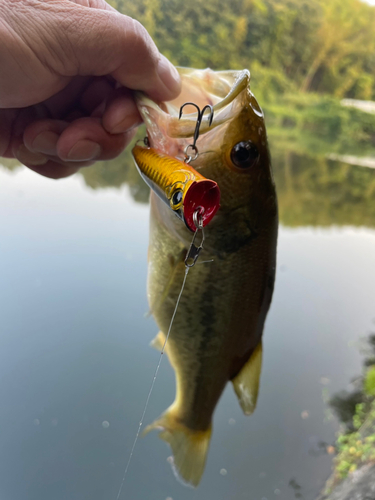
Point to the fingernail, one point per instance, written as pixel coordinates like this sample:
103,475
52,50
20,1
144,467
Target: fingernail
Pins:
46,142
28,158
84,150
168,74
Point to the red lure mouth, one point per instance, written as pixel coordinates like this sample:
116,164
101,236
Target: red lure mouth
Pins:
204,196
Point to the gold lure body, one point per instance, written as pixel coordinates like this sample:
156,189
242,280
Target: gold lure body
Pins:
181,187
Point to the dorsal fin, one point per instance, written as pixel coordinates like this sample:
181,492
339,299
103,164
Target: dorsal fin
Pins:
246,383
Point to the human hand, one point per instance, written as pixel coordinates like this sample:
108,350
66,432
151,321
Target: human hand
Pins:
67,71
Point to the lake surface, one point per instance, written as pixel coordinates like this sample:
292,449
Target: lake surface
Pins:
75,365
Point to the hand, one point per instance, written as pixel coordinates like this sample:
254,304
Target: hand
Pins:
67,70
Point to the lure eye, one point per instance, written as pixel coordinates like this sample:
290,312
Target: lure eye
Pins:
244,154
176,200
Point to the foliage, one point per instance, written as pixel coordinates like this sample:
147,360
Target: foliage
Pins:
354,449
311,45
356,443
370,382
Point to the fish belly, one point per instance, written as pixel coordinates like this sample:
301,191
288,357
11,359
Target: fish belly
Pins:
219,320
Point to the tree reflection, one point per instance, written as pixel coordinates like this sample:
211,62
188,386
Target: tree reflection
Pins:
344,404
316,191
312,189
115,173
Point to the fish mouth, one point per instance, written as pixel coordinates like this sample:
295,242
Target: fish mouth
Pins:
227,93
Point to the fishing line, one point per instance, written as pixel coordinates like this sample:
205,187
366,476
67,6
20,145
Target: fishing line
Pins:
152,384
193,254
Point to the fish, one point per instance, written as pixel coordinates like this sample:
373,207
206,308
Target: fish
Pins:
216,336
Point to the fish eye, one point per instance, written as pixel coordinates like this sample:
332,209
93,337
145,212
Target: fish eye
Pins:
244,154
176,199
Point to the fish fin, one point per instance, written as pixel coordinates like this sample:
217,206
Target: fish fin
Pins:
246,383
189,447
158,341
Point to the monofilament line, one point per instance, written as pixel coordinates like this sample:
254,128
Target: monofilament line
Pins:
153,383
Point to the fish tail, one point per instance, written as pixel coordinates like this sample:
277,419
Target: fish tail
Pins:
189,447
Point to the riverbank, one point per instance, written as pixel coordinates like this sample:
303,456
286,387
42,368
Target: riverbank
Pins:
353,476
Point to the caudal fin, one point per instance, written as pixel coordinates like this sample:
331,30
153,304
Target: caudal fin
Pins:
189,447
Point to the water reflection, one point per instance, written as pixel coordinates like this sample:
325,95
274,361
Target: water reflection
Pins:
74,353
312,190
321,192
344,403
117,172
74,339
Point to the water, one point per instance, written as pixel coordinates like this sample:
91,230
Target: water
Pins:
75,366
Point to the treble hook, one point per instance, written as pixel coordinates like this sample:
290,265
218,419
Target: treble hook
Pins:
197,127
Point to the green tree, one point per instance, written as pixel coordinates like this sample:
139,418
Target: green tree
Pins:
344,50
322,45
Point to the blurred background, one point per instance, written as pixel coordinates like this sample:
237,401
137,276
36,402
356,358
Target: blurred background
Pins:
75,366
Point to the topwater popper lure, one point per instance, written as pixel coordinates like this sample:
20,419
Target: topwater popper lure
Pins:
180,186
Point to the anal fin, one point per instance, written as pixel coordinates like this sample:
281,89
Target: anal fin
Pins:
246,383
158,341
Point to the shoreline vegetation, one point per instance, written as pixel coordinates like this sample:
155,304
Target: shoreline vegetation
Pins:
353,474
290,46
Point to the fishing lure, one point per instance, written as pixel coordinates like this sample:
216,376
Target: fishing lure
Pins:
179,185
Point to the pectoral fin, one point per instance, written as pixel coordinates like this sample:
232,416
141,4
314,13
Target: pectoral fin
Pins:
189,447
246,383
158,341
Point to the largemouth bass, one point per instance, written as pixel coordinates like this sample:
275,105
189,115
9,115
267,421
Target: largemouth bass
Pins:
216,336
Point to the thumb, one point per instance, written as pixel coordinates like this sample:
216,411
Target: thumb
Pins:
96,41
